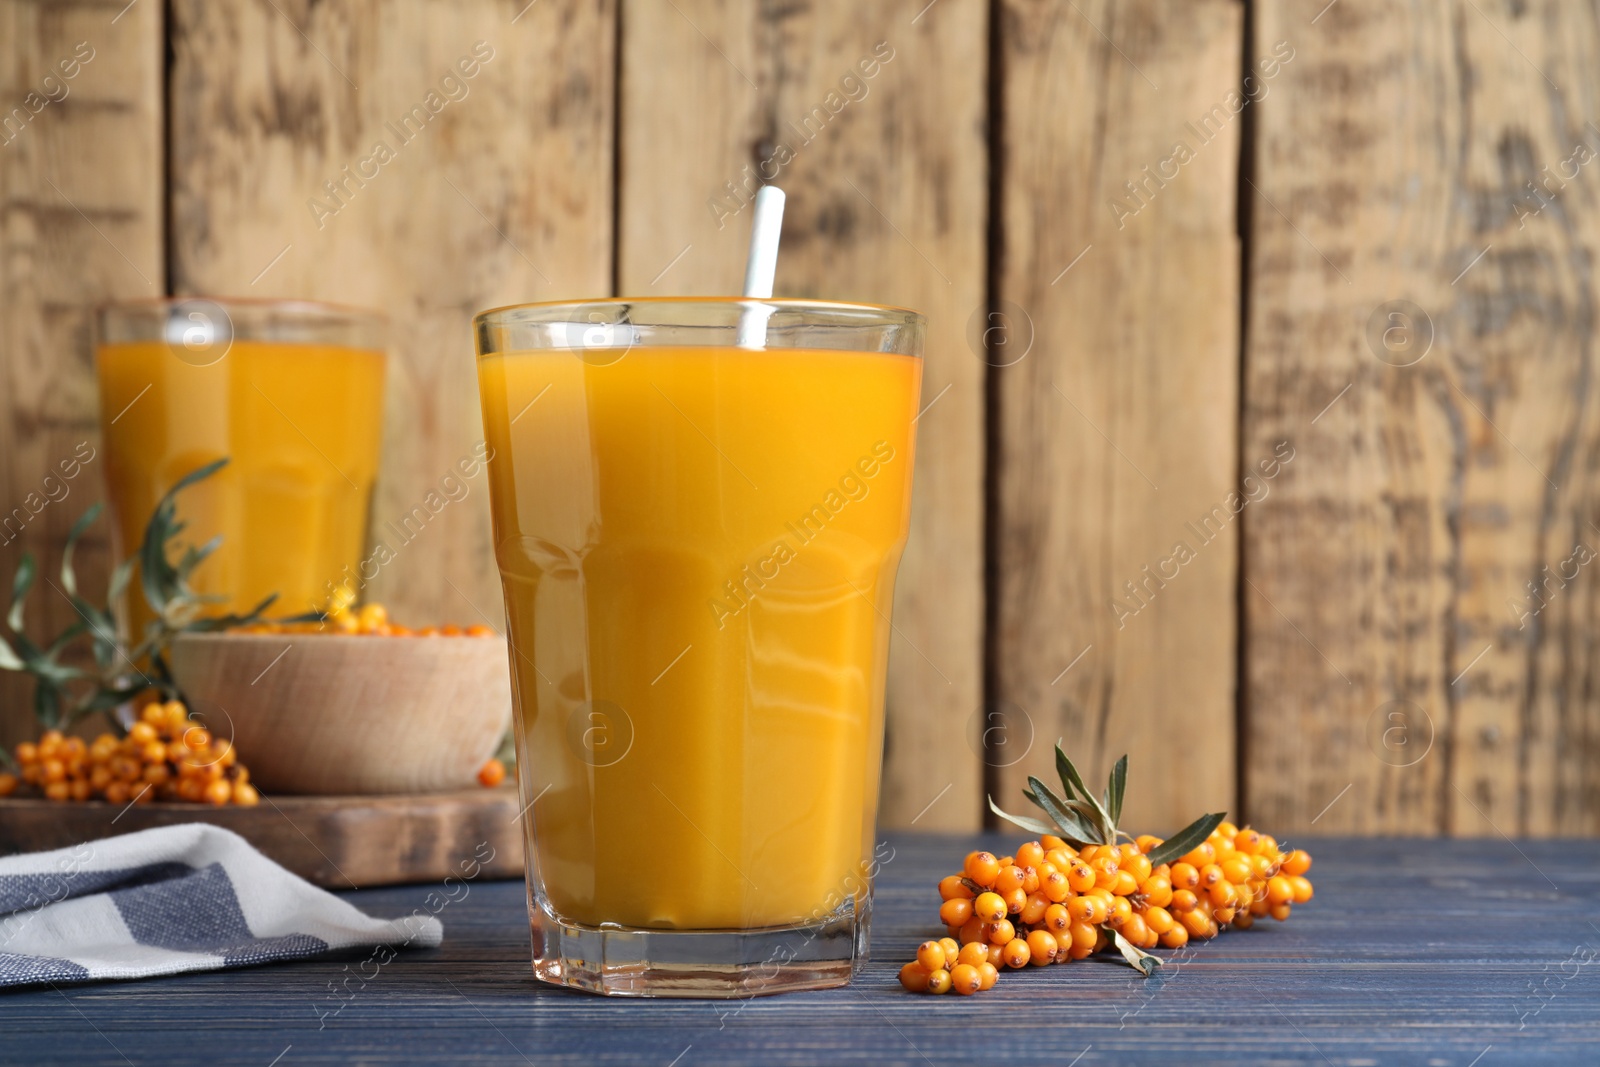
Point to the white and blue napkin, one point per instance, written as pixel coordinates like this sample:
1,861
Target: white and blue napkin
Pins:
191,897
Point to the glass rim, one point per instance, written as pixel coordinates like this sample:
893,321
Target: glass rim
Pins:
292,305
888,314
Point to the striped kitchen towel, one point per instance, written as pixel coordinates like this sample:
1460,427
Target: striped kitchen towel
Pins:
190,897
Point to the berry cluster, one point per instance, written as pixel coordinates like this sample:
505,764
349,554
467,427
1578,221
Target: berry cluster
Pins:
370,620
164,756
1052,902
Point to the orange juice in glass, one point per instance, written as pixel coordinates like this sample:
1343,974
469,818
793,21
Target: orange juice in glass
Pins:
698,545
291,391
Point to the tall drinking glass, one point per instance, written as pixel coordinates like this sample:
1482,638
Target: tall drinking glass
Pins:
698,544
292,391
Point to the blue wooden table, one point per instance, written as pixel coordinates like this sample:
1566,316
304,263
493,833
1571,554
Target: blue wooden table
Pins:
1437,953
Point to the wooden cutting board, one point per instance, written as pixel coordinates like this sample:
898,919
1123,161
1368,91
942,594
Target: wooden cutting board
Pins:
335,842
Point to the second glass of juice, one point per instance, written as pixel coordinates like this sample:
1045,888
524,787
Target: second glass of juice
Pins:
699,507
291,392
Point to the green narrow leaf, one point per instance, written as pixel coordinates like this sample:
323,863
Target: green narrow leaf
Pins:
1141,960
160,581
27,570
1066,772
1185,839
119,580
1033,826
1073,781
46,703
1115,787
228,622
1062,814
69,578
9,660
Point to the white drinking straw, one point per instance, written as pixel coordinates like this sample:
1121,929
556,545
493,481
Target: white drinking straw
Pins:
765,229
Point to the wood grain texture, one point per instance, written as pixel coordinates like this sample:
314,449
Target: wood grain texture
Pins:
430,160
1409,983
80,199
337,842
1397,662
1116,428
871,119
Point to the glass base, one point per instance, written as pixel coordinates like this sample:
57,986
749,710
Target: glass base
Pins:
624,961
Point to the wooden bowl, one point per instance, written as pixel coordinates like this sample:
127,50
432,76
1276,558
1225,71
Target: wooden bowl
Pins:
336,714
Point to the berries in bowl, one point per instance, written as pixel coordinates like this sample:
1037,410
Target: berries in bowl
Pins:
352,704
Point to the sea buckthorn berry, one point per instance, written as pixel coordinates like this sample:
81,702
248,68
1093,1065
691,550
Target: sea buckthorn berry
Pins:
156,774
1084,910
996,955
952,887
1060,858
1105,878
1237,869
1006,861
914,977
973,954
1279,911
1015,900
1080,876
1002,932
1030,880
491,774
1247,841
1259,906
1183,900
1200,855
989,973
1057,918
1016,953
989,907
1210,875
1243,920
1125,884
1051,841
965,979
1138,865
116,792
955,912
1158,919
1146,842
1030,854
1033,911
218,792
938,981
53,770
1269,845
1195,922
1302,888
1045,870
1042,947
1185,876
1177,937
930,954
1279,890
80,789
971,930
982,868
1056,888
1156,890
58,790
1008,879
8,783
1296,862
1089,852
1134,929
1120,910
1222,895
1223,915
952,949
153,752
142,732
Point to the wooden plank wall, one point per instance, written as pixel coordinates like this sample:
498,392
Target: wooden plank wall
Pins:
1117,427
1400,675
1126,336
81,205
